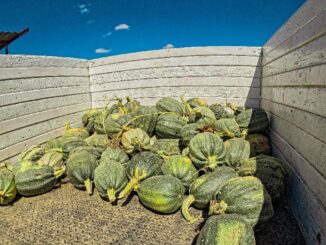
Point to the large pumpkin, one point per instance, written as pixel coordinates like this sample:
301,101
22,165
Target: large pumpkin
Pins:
33,153
200,112
75,132
98,140
255,120
236,149
227,127
169,125
115,124
7,186
165,147
55,160
68,144
220,111
114,154
168,104
135,140
145,118
259,144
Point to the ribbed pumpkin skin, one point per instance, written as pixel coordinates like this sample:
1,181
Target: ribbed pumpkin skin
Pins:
148,119
76,132
226,127
98,140
219,111
166,147
259,144
88,119
20,165
7,186
114,154
33,153
98,122
135,140
53,144
162,193
194,102
35,180
114,123
169,125
236,149
254,119
201,112
244,196
269,170
80,167
206,150
70,143
109,179
181,168
131,105
168,104
226,229
96,151
55,160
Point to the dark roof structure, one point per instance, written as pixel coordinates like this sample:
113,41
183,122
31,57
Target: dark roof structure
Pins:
8,37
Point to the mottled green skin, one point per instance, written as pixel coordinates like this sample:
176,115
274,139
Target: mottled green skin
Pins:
220,111
53,144
114,124
166,147
88,119
98,122
76,132
147,163
131,105
269,170
110,175
205,188
35,180
168,104
70,143
244,196
206,150
169,126
181,168
237,149
201,112
80,167
259,144
114,154
226,229
146,122
21,165
55,160
98,140
7,186
225,125
33,153
135,140
194,102
253,119
163,193
96,151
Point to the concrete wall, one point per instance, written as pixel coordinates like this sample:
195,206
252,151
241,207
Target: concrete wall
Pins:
209,72
294,94
37,96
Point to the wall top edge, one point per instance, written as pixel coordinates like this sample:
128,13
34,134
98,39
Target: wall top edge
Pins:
5,56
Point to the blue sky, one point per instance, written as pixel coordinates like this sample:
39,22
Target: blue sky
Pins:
96,28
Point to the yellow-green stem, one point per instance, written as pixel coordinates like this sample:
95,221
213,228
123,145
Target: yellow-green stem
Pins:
133,183
185,209
217,207
89,186
58,173
111,193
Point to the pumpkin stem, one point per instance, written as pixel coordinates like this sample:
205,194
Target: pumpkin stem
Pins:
89,186
185,208
244,133
132,184
187,106
111,193
231,106
217,207
212,162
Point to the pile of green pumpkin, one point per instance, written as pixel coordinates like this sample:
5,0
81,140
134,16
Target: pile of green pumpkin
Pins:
174,155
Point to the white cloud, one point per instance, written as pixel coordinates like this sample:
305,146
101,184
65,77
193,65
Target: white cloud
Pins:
84,11
84,8
102,50
168,46
90,22
107,34
122,27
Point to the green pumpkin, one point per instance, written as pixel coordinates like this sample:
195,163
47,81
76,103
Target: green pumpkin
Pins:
80,170
226,229
145,118
53,144
259,144
269,170
200,112
206,150
227,127
181,168
244,196
115,124
109,179
35,179
88,119
194,102
96,151
205,188
20,165
7,186
98,121
131,105
55,160
142,166
236,149
70,143
165,147
255,120
114,154
169,126
168,104
98,140
33,153
75,132
220,111
135,140
163,193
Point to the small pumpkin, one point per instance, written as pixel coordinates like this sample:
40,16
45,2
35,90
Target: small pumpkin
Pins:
205,188
236,149
114,154
70,143
53,144
96,151
35,179
269,170
131,105
244,196
135,140
169,126
200,112
226,229
145,118
98,140
168,104
7,186
55,160
80,170
220,111
88,119
227,127
194,102
206,150
142,166
259,144
165,147
116,124
75,132
33,153
163,193
109,179
98,121
181,168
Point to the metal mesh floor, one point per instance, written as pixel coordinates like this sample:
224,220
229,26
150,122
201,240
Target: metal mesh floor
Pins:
69,216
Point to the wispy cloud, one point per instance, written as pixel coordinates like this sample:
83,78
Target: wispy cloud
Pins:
84,8
121,27
102,50
90,22
168,46
107,34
